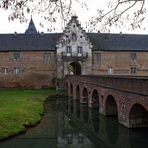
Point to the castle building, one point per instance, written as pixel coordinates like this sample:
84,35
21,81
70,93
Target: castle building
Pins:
36,60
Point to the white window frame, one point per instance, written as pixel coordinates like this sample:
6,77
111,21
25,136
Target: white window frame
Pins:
110,70
5,70
16,71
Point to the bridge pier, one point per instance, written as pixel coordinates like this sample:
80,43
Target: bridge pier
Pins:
127,104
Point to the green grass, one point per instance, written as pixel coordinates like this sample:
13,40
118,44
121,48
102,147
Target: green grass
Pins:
19,109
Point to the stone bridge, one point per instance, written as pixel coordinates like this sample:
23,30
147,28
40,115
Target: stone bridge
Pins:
122,96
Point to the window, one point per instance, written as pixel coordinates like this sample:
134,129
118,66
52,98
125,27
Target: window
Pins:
97,57
79,49
133,56
46,56
110,70
68,49
16,56
16,70
133,70
5,71
74,37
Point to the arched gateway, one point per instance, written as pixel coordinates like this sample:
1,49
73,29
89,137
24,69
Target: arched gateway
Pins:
76,68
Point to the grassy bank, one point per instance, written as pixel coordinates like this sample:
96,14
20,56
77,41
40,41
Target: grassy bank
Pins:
20,109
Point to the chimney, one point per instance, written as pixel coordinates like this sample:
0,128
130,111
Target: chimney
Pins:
15,33
121,34
42,33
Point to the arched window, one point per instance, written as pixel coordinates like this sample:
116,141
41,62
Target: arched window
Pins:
74,37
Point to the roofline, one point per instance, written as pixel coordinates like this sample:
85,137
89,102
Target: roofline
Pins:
27,50
119,50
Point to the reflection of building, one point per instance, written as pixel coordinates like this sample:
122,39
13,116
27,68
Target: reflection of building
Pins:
35,59
68,139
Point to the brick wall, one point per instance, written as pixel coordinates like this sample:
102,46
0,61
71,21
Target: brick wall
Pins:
121,63
34,71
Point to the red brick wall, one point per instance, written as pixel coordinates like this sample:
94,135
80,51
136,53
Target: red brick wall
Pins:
35,71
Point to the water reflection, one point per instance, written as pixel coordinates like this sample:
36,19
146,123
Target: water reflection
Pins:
94,113
112,129
106,131
85,112
77,104
73,125
71,105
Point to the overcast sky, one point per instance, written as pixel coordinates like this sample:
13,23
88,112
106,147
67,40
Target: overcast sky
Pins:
11,27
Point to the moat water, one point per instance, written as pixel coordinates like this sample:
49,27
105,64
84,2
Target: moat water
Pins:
68,124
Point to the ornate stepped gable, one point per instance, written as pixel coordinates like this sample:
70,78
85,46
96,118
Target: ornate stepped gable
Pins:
73,33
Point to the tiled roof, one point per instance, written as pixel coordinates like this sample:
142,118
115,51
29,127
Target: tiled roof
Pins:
118,42
28,42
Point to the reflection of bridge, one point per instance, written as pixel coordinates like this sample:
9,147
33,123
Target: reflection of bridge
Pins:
125,97
104,132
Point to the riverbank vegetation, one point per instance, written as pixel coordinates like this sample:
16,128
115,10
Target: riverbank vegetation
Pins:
20,109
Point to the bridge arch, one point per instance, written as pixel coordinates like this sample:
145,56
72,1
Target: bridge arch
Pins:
138,116
85,96
78,93
95,99
111,108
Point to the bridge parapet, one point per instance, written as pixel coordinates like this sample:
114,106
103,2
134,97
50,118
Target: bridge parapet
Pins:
137,85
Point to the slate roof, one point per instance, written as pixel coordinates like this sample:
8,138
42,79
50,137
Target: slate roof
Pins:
118,42
47,41
28,42
31,28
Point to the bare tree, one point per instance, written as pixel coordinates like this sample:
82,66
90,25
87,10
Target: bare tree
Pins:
118,12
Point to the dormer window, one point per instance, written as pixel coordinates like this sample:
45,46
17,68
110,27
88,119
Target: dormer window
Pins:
74,37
